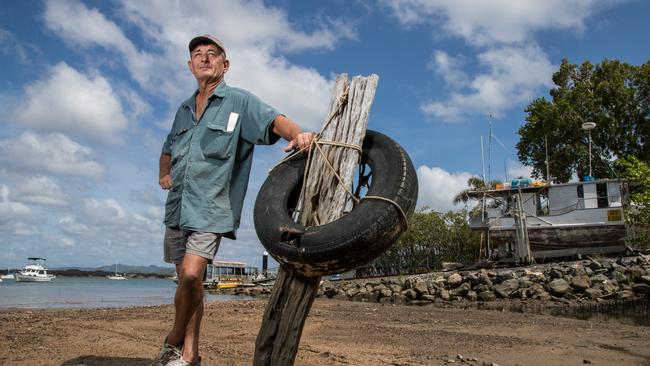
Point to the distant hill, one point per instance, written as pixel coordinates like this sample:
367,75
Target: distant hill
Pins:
123,268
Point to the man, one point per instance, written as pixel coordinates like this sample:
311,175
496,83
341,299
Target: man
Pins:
205,163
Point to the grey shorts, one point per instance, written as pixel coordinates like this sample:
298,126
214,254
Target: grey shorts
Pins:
178,242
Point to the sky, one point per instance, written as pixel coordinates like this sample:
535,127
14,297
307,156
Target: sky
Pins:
89,90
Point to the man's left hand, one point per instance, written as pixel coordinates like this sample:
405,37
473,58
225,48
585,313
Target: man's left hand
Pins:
302,141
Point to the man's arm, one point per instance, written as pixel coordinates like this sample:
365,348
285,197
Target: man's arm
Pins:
290,131
164,171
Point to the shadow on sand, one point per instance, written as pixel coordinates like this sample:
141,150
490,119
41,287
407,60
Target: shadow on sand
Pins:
107,361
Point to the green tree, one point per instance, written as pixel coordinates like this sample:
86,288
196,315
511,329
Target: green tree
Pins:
637,173
431,237
614,95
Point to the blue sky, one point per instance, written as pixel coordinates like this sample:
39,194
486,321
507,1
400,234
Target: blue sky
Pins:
89,89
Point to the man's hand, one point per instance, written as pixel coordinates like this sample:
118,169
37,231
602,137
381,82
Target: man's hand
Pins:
165,182
300,142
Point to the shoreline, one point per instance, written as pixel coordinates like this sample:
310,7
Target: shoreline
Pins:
336,333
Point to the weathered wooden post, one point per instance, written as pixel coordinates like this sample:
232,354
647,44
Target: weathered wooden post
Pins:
324,197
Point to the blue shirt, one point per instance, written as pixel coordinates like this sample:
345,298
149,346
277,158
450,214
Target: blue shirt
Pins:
211,159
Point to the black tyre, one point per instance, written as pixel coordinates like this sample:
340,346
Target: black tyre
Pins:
352,240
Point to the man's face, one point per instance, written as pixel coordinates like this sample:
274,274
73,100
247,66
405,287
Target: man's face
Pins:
207,63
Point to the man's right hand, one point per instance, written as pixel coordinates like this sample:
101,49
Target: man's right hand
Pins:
165,182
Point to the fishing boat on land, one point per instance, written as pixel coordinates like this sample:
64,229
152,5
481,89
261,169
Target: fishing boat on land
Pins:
525,219
35,271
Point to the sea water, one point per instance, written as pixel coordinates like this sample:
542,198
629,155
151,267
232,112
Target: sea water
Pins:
77,292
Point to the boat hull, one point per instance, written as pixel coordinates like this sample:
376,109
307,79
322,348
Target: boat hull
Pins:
23,278
566,240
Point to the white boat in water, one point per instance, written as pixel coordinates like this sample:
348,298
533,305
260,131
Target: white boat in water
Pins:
8,276
35,271
116,276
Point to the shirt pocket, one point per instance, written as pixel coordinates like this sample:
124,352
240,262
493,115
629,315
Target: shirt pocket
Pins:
217,142
179,144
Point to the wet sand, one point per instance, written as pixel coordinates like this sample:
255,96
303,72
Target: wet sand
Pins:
336,333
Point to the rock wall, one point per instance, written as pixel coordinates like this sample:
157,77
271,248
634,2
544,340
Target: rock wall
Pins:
621,279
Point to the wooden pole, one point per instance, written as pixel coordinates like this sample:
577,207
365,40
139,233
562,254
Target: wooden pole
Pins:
323,200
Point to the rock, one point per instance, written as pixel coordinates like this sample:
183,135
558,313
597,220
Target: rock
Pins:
428,298
484,279
487,296
481,287
641,288
594,265
599,278
472,279
327,284
330,292
444,294
399,299
645,279
559,287
395,287
410,294
609,286
454,280
461,290
593,294
362,296
379,287
625,295
505,275
351,292
525,282
385,293
555,273
518,294
580,283
421,288
471,296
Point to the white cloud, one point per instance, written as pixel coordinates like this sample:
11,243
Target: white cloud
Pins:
10,210
299,92
71,102
449,67
70,225
438,187
503,33
107,211
484,23
516,169
513,76
40,190
52,153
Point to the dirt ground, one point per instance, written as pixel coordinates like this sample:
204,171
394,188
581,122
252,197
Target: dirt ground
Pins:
336,333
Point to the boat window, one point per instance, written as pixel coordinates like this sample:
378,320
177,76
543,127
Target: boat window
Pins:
580,191
601,193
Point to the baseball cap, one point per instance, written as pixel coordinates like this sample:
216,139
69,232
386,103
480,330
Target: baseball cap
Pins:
206,38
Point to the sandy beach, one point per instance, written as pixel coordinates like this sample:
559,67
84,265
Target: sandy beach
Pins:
336,333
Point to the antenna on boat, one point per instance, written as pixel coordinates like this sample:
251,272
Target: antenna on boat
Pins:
489,151
548,173
482,158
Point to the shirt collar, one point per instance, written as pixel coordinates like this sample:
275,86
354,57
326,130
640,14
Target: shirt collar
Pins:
220,92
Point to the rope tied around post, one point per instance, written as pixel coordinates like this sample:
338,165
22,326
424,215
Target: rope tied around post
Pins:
315,145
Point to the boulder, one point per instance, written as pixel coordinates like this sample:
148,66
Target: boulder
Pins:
641,288
484,279
487,296
505,275
454,280
386,292
421,288
594,265
580,283
428,298
624,295
444,294
645,279
559,287
471,295
599,278
410,294
461,290
593,294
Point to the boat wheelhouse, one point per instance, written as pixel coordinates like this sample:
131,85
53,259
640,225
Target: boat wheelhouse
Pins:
528,220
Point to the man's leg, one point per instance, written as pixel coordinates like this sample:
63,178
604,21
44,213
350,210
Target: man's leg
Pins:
189,306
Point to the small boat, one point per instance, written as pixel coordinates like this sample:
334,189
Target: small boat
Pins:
8,276
116,276
35,271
